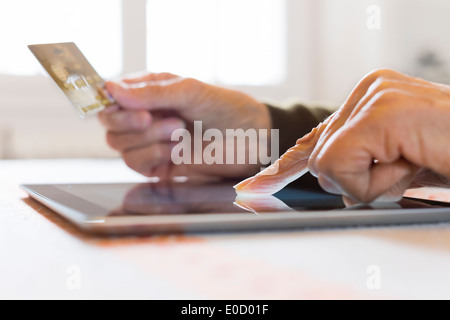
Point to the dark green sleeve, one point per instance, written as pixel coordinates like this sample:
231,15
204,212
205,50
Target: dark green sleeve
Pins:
293,123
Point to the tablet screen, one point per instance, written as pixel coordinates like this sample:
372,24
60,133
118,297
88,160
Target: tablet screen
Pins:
125,199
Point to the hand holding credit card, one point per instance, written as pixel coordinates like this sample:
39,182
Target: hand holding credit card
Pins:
74,75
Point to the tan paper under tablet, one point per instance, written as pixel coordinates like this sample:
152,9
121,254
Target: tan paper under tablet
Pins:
72,72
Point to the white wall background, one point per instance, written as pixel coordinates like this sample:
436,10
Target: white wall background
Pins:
347,49
327,44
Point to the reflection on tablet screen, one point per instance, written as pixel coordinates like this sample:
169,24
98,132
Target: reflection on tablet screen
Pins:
187,198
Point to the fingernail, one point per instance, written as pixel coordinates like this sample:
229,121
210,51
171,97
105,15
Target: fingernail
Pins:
244,183
113,87
110,87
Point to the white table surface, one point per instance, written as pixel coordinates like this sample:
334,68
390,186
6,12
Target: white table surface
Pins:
44,257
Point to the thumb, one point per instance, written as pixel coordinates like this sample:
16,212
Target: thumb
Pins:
291,166
172,93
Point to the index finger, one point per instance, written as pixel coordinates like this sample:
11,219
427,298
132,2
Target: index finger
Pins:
291,166
173,93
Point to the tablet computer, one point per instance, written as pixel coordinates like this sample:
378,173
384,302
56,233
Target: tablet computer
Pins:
150,208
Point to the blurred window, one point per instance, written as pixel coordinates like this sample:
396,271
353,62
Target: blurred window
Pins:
25,22
223,41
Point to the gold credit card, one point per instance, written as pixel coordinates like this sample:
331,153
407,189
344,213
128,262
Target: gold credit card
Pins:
73,73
